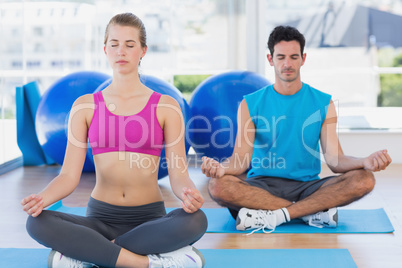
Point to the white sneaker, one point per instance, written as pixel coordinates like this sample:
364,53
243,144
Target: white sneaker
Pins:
327,218
58,260
187,257
256,219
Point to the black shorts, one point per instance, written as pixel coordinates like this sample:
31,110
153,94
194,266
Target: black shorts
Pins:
288,189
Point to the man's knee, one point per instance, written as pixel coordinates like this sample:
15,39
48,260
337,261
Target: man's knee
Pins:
225,189
218,187
364,181
368,180
213,189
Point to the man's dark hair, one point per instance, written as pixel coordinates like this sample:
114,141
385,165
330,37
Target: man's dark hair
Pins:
285,33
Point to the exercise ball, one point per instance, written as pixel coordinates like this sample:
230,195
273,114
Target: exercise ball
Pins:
214,106
162,87
53,112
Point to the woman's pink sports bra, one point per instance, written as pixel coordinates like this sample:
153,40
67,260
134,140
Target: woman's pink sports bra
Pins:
139,133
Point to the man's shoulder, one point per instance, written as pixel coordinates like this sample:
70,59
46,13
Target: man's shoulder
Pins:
258,93
315,91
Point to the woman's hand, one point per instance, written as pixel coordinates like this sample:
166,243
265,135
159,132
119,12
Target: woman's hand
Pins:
32,205
192,200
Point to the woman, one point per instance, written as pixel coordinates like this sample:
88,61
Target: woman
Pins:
126,224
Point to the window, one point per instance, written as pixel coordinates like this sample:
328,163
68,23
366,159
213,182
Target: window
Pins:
357,64
344,44
197,37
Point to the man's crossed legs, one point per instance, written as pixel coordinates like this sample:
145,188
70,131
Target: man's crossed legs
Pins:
263,202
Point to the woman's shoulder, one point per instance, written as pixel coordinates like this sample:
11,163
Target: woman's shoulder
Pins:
166,99
85,104
168,108
87,98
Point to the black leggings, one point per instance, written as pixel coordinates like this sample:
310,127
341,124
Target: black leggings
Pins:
142,229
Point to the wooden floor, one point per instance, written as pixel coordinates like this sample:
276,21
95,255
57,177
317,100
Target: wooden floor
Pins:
367,250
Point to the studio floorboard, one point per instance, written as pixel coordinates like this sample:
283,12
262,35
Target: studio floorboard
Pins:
367,250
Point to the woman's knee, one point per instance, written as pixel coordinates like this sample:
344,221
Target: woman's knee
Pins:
197,222
202,220
198,226
35,226
43,227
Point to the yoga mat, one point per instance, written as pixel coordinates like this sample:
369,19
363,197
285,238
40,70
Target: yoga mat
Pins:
214,258
23,257
27,99
349,221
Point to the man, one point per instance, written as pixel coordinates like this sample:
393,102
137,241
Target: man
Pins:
277,144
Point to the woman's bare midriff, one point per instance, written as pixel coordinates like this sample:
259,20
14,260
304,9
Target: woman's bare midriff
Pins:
126,179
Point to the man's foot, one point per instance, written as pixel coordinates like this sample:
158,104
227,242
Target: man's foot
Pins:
327,218
187,257
249,219
58,260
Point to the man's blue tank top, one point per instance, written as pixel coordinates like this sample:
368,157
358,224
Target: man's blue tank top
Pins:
287,134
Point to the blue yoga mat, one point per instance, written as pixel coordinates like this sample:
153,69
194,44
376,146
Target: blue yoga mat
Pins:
350,221
214,258
27,99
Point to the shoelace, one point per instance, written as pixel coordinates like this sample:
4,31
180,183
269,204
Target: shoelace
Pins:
79,264
263,222
74,263
169,262
315,217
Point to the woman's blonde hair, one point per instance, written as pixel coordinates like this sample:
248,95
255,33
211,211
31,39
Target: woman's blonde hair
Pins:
128,19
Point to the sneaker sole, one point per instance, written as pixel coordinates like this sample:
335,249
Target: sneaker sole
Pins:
238,221
50,259
335,218
200,255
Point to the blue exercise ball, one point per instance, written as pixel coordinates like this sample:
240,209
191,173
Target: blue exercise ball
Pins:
214,106
163,87
54,108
